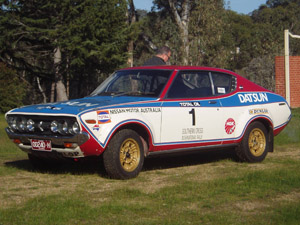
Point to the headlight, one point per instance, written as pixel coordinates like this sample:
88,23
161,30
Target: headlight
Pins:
54,126
12,123
21,124
63,128
75,128
30,125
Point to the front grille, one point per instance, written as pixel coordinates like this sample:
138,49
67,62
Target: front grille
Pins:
42,124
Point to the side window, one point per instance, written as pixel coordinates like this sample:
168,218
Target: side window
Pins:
199,84
191,84
223,83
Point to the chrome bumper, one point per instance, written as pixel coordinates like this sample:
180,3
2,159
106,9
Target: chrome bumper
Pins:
57,141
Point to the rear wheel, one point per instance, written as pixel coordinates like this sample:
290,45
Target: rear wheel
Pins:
254,146
124,156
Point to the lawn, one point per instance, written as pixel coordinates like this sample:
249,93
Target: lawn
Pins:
203,188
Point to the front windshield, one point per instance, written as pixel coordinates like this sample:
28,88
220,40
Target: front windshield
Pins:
134,82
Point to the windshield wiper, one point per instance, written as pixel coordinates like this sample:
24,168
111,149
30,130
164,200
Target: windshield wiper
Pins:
107,93
131,93
127,93
135,93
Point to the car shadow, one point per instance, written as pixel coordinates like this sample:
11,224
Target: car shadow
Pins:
90,165
188,159
94,165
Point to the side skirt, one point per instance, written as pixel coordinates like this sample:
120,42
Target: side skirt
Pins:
189,150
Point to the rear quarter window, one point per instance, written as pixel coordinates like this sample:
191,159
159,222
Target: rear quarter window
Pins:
223,83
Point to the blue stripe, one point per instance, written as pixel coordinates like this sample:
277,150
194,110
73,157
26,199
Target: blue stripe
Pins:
251,98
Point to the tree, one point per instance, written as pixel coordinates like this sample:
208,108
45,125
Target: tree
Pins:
12,89
180,12
87,38
261,71
132,18
182,17
157,29
199,28
245,39
207,34
279,15
94,42
271,20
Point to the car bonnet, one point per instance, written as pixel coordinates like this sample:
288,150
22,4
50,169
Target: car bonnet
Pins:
78,106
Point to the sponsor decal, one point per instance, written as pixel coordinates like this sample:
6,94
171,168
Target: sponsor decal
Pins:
230,126
96,127
258,111
189,104
49,107
126,110
221,90
253,97
192,133
103,117
84,104
150,110
135,110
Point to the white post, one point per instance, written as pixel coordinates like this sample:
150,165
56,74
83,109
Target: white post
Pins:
287,66
287,63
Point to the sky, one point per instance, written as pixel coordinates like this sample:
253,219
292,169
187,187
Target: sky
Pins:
240,6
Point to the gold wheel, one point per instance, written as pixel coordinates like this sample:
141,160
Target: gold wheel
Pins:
257,142
130,155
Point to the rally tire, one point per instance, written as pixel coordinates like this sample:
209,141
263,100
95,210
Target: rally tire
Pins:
124,155
254,146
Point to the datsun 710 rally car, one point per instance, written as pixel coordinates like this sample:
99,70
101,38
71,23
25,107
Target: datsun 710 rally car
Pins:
144,111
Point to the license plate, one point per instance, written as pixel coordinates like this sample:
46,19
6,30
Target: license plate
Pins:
41,145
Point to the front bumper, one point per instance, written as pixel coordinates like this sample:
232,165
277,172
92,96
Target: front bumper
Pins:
58,142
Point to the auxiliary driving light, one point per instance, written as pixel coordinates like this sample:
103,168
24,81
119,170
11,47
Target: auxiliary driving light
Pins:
63,128
30,125
54,126
21,124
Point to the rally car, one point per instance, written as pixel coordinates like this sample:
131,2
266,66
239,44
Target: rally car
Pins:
143,111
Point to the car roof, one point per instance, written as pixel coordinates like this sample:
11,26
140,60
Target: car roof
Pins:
178,67
250,85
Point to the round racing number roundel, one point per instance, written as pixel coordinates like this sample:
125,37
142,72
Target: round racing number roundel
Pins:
230,126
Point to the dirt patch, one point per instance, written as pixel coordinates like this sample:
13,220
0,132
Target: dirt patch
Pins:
286,152
258,205
18,188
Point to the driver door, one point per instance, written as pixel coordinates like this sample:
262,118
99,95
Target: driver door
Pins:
191,113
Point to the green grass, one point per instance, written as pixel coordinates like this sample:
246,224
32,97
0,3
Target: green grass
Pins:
7,148
204,188
291,134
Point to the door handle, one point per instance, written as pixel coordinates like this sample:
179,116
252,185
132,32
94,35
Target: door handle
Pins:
212,102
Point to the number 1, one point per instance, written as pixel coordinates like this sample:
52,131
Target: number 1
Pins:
193,116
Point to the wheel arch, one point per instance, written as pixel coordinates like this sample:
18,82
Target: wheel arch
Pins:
269,127
141,129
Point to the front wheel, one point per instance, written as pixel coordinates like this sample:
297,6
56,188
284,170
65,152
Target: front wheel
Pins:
124,156
254,146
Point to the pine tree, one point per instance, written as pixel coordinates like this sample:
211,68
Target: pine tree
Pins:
62,41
